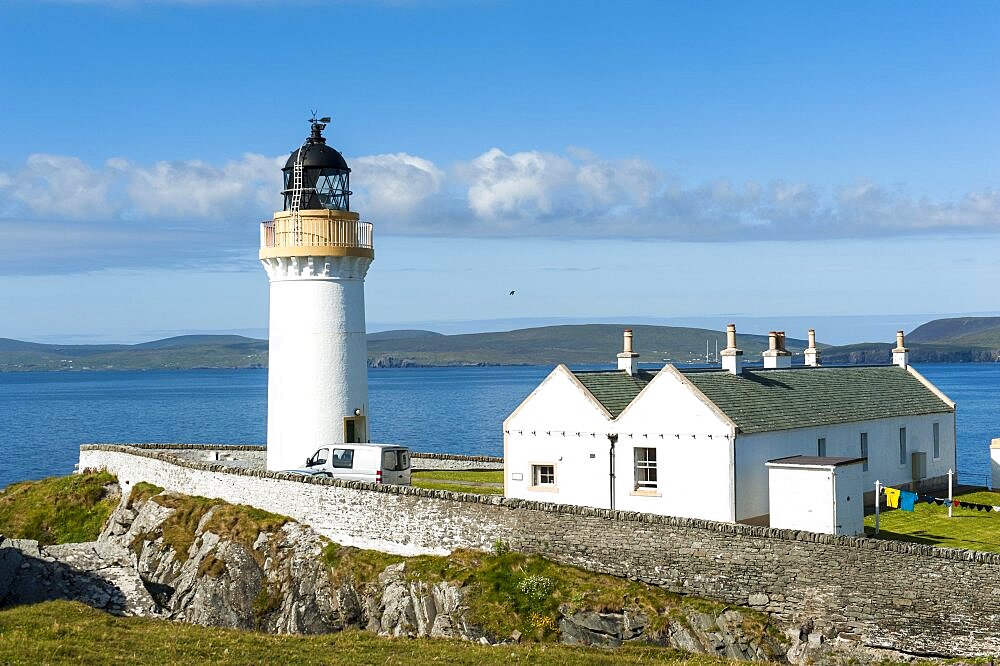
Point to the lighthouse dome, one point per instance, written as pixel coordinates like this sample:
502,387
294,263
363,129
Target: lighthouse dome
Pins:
326,179
317,156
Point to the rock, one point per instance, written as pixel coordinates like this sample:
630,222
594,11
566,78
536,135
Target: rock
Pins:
515,636
97,574
758,599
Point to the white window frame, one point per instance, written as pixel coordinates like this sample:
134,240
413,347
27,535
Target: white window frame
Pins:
538,475
936,436
821,447
902,446
643,466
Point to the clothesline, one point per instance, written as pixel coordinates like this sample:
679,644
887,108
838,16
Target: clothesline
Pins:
905,500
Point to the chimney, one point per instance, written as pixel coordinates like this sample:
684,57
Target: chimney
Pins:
811,353
776,356
900,354
732,358
627,359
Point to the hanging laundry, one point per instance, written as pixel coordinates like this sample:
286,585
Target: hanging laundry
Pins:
939,501
996,508
956,503
906,500
927,498
892,498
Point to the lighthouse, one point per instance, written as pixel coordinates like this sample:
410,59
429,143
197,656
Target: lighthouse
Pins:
316,252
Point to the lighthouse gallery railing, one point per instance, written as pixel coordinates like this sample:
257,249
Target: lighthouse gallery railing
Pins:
312,232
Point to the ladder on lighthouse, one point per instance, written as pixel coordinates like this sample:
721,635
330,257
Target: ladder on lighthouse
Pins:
297,198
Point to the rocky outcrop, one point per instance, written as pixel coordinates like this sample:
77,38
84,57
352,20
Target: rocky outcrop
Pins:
724,634
99,574
193,560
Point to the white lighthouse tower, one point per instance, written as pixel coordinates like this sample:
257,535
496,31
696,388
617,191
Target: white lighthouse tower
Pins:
316,253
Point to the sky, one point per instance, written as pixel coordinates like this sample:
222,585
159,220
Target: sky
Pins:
775,164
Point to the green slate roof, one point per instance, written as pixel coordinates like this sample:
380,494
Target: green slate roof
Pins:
767,400
614,389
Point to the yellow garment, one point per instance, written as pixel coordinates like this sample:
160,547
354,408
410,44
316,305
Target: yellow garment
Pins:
892,498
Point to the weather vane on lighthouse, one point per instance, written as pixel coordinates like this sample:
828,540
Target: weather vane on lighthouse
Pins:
316,253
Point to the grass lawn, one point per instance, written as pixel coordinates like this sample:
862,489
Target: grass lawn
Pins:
485,482
61,509
61,632
929,524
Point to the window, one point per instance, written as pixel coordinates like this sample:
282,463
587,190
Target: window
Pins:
318,458
902,446
645,468
343,458
864,451
821,447
543,475
937,440
395,460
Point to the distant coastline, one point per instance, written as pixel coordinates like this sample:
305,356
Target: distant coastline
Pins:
958,340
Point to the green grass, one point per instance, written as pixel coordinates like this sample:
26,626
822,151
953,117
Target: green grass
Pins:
62,632
62,509
485,482
483,476
232,522
929,524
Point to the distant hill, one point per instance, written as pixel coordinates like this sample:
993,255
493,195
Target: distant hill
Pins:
966,331
968,339
546,345
178,353
586,344
953,340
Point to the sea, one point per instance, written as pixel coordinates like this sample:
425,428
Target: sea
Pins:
46,416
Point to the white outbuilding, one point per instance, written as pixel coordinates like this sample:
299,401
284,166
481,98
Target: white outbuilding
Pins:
818,494
695,442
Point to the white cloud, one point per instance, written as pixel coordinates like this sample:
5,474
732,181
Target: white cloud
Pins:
520,185
530,193
393,185
60,186
199,190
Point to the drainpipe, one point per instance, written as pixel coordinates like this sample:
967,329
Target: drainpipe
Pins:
613,438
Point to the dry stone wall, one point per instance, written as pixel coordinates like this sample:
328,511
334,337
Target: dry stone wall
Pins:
906,597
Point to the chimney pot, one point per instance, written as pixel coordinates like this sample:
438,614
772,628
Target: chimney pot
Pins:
732,358
900,355
776,356
811,353
627,359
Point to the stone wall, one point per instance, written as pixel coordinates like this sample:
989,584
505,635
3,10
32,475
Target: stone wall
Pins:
449,461
254,455
902,596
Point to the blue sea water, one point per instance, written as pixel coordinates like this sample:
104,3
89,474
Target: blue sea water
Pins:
45,416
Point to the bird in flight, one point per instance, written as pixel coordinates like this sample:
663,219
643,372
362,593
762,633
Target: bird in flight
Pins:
512,292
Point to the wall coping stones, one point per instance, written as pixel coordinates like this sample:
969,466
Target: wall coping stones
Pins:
903,548
261,447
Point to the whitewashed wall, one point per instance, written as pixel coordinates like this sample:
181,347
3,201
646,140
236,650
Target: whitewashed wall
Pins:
318,357
396,520
544,431
694,463
753,451
693,453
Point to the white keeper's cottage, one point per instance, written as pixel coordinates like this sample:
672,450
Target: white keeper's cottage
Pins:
696,443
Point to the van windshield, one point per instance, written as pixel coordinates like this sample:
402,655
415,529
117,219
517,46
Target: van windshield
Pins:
395,460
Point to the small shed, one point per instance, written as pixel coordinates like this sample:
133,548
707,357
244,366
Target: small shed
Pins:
817,493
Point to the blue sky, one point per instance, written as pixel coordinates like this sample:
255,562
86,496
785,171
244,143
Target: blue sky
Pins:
773,163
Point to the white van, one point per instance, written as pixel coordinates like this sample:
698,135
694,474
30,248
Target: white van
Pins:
374,463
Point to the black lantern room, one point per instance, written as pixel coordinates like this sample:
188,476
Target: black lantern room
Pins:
326,179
